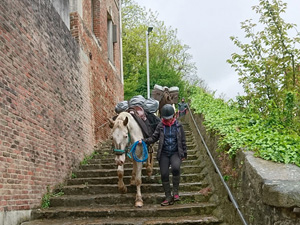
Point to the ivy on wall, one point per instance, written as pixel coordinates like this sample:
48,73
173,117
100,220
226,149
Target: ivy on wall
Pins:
246,130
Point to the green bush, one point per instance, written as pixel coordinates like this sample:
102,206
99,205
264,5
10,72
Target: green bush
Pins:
246,130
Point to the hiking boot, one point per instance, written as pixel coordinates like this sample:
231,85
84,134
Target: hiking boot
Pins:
167,202
176,198
169,199
176,180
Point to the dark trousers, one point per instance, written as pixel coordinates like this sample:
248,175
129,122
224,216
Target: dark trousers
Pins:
165,162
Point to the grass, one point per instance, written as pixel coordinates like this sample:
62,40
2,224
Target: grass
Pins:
46,198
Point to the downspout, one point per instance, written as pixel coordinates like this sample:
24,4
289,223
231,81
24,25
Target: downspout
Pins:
121,47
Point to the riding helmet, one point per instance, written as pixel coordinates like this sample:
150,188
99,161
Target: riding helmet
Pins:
167,111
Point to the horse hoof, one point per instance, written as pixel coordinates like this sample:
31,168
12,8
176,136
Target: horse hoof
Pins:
149,173
123,190
139,204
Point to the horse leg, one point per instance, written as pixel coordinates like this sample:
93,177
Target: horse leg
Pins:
121,185
133,174
149,165
138,182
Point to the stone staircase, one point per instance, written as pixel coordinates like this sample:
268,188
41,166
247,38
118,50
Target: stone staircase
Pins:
92,197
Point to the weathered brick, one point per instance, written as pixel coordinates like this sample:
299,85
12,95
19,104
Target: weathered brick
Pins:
56,88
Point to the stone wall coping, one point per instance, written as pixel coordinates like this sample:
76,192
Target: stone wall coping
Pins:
280,183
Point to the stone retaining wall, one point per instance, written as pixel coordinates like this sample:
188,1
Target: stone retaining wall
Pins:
267,193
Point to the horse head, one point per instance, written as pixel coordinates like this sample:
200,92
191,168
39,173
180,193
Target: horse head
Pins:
166,99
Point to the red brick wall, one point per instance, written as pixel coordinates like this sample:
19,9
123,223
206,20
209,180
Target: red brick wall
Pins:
107,89
55,91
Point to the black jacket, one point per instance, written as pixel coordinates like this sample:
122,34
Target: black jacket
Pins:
158,135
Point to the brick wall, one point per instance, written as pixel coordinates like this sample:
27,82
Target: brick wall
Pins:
91,34
55,91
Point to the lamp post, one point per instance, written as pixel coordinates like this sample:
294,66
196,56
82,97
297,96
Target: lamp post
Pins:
147,55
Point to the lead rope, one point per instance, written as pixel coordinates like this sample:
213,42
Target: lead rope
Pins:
134,156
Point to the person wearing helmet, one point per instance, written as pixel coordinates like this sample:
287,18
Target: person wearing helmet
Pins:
171,151
182,107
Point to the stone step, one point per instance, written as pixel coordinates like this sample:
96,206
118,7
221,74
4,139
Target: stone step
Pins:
111,155
190,220
93,198
127,171
117,211
111,159
113,188
190,143
191,149
145,179
122,199
110,164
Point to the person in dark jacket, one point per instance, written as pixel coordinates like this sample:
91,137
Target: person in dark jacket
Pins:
171,151
182,108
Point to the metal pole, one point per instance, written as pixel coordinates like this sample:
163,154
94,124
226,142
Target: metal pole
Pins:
121,42
148,75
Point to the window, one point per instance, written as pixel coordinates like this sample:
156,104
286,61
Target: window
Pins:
111,38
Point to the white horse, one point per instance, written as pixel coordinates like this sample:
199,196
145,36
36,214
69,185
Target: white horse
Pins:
126,131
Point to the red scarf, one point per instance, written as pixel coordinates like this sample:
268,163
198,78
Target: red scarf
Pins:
168,122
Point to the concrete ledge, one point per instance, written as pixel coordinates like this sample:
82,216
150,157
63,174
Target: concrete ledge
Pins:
14,217
282,193
280,182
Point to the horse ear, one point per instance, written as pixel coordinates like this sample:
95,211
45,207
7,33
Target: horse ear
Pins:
111,123
125,122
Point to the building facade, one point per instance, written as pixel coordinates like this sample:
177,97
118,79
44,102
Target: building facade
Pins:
60,79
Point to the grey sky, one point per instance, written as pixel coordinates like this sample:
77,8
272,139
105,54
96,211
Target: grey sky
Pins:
205,26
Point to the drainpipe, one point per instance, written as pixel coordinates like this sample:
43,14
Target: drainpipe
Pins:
121,47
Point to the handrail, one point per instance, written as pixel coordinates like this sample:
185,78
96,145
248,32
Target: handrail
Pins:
218,171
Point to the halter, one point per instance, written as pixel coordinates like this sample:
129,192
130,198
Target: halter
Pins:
122,151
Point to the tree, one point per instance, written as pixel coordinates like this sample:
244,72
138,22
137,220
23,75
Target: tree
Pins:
269,65
170,63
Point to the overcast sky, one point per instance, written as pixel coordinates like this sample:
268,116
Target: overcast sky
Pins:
205,26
